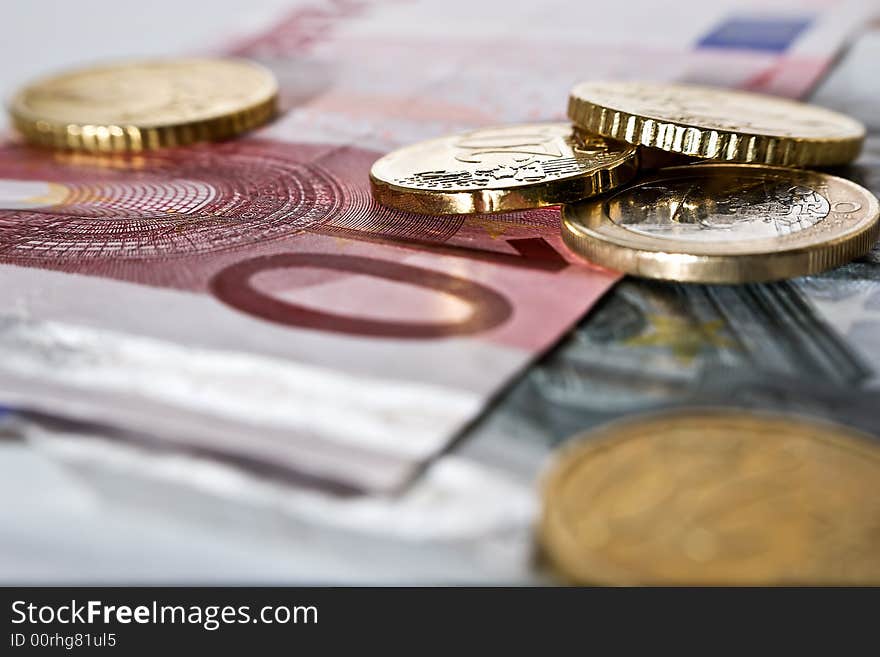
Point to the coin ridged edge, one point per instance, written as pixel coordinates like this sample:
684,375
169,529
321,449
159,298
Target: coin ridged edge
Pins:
126,138
712,144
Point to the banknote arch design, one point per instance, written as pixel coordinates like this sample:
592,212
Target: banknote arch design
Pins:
170,204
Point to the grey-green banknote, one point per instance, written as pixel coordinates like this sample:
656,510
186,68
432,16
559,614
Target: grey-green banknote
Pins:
810,345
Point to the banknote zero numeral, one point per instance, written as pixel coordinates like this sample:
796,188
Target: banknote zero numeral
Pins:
234,286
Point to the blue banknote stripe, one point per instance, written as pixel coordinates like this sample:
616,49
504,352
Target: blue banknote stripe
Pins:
767,34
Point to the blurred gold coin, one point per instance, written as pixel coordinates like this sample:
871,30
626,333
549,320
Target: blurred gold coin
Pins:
717,124
725,223
715,497
142,105
498,169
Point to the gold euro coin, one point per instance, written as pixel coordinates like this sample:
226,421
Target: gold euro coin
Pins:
144,105
725,223
498,169
717,124
709,497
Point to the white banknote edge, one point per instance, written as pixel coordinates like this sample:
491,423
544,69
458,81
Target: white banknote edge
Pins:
327,423
236,386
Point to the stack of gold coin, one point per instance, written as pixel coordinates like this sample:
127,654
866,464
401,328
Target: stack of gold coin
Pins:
137,106
740,204
714,497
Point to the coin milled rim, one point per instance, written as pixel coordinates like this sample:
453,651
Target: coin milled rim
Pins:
588,231
119,138
707,142
562,548
540,194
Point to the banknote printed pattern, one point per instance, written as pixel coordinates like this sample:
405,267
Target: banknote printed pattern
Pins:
177,204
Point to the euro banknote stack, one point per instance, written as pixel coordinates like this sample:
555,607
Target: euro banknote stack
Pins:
165,399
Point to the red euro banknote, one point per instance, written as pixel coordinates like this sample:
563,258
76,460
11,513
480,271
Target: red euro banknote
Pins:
250,302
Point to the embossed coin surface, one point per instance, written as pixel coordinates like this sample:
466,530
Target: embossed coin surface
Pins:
715,497
725,223
717,124
503,168
140,105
